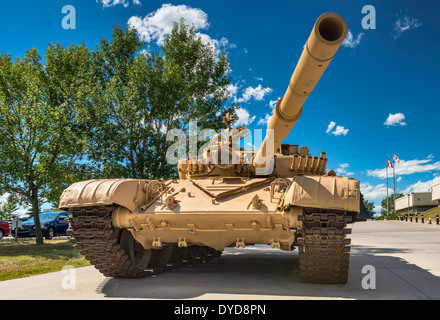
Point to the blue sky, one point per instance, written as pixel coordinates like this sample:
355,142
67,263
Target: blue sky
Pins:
379,94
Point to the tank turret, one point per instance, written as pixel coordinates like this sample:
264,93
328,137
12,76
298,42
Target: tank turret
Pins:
224,156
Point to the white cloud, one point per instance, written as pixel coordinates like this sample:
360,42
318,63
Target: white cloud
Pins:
395,120
22,212
407,167
377,209
266,119
244,117
330,126
377,192
156,25
251,146
273,103
232,89
339,130
111,3
421,186
219,44
403,24
342,170
350,42
4,197
257,93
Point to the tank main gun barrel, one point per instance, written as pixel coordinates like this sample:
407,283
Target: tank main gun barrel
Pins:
327,36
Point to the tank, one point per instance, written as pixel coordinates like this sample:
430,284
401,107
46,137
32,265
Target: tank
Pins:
279,195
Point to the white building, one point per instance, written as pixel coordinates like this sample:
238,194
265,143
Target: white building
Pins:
436,193
417,202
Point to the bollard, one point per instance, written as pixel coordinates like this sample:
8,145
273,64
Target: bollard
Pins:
423,218
429,221
436,219
417,218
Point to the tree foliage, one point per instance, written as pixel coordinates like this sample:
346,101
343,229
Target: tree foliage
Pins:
40,131
390,201
146,93
104,112
7,208
369,205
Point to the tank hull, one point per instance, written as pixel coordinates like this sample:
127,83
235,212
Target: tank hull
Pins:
214,213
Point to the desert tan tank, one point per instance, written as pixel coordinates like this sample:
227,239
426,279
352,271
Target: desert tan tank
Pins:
279,195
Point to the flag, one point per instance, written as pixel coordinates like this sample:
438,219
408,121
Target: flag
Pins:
396,159
389,164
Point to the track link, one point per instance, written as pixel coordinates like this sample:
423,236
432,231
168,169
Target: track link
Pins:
92,234
324,251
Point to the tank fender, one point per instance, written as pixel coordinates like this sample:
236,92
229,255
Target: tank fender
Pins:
129,193
325,192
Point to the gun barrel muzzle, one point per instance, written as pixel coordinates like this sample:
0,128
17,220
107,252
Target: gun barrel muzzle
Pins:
327,36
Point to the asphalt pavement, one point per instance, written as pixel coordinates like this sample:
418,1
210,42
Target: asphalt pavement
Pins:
390,260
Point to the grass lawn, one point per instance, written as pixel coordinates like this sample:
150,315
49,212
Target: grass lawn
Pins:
432,213
24,258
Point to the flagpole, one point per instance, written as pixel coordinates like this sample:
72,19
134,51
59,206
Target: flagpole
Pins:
394,181
394,178
387,190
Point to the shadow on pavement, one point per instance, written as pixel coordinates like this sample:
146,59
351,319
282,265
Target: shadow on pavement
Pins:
260,273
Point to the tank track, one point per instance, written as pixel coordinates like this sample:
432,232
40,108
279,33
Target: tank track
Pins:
324,250
92,234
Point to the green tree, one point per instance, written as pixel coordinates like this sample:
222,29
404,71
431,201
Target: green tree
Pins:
390,201
147,93
370,208
7,208
40,129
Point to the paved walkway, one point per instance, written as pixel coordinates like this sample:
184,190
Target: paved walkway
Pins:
404,259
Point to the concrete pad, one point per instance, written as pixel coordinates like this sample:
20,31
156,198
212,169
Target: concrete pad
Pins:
405,259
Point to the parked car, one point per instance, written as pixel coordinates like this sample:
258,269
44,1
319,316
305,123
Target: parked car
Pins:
4,229
52,224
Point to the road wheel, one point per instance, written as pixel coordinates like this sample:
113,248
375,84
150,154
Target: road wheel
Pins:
138,255
211,252
196,252
50,233
1,234
161,257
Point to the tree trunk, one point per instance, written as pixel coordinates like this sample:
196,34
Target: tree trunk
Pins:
35,213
